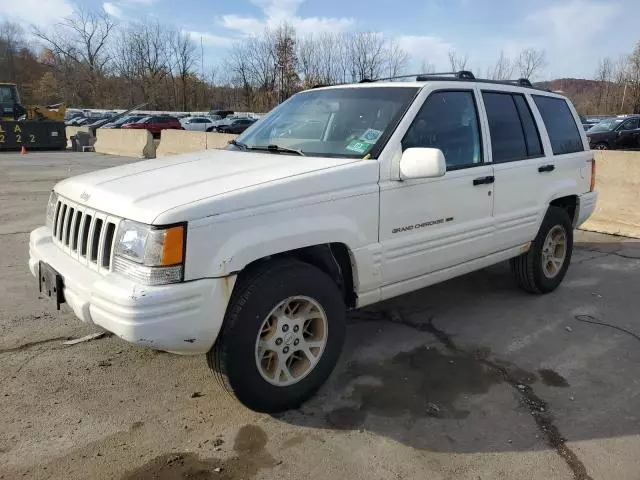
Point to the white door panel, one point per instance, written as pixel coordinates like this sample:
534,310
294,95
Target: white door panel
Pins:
519,200
427,225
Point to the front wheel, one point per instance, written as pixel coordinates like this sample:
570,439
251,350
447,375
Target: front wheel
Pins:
601,146
543,267
282,336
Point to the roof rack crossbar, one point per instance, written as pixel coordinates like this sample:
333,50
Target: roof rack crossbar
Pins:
462,74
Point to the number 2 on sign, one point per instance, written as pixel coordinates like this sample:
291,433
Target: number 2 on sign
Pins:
32,138
18,138
1,138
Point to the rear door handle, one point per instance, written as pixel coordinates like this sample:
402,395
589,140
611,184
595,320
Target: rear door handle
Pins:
546,168
483,180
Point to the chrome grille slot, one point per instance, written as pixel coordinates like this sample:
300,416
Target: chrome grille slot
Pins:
76,231
63,214
85,234
55,218
84,239
95,240
67,225
108,245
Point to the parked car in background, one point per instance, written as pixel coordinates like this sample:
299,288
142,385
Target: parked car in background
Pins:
615,133
237,126
220,113
77,121
123,121
198,124
155,124
72,113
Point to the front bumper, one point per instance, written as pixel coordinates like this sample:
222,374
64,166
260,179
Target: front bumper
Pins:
181,318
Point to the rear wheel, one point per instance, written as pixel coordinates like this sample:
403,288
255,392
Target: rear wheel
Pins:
543,267
601,146
282,336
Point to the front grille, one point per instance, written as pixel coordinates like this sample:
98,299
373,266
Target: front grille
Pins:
85,234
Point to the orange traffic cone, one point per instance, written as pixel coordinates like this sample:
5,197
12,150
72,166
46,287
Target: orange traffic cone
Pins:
23,151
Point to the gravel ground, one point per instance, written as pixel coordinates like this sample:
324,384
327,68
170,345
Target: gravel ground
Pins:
468,379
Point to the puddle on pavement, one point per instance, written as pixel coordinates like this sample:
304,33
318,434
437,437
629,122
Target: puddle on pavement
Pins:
552,378
424,382
250,458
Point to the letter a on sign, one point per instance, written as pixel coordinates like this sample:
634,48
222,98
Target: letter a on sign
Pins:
17,129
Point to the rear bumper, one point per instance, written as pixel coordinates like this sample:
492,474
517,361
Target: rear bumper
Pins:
586,206
182,318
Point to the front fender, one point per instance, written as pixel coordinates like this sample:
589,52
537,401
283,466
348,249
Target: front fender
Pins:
220,248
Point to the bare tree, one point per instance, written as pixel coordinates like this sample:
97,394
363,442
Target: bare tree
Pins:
457,61
368,55
502,69
82,39
427,67
530,61
183,55
397,58
11,41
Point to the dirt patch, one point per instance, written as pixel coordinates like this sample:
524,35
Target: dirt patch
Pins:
250,458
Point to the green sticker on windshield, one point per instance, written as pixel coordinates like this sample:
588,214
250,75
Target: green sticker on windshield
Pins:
358,146
371,135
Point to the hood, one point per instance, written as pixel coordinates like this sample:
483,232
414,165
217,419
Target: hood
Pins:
142,191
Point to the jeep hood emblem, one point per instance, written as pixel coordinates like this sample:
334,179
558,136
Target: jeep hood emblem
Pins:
85,196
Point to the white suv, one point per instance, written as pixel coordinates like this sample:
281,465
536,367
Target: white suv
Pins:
341,197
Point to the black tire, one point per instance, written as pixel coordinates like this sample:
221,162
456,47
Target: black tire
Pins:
601,146
232,359
528,267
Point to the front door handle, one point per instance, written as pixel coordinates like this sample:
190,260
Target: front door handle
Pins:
484,180
546,168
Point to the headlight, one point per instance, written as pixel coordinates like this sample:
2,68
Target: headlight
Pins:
150,255
51,209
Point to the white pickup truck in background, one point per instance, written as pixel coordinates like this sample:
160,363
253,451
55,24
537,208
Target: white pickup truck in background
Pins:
340,197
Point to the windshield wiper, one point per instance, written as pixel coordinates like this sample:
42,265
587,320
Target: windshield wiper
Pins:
239,144
278,149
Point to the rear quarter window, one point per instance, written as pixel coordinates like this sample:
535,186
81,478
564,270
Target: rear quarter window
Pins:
561,126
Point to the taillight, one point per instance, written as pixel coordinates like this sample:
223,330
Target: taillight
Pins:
592,187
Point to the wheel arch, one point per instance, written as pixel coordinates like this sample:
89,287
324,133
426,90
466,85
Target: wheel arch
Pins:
569,203
334,259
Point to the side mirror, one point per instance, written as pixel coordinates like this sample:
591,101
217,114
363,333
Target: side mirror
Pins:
422,163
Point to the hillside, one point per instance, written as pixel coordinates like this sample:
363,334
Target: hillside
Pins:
594,97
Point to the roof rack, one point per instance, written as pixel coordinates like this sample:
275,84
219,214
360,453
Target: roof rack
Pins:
461,75
421,77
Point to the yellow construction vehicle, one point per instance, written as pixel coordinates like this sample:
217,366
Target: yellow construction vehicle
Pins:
33,126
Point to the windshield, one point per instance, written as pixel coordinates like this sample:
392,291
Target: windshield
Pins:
6,94
336,122
606,125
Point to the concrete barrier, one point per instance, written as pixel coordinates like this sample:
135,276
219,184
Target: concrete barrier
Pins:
618,186
73,131
173,142
219,140
125,142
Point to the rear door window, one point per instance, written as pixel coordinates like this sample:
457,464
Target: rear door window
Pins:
507,133
531,135
560,124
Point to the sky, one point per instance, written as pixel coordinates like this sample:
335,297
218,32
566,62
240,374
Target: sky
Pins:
575,34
